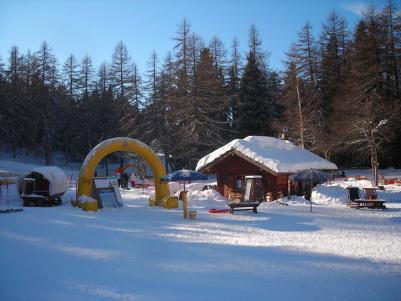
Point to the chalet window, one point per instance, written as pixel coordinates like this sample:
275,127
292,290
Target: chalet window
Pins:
238,184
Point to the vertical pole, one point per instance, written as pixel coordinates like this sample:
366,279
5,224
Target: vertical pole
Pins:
1,195
8,197
184,204
289,190
310,198
373,157
376,174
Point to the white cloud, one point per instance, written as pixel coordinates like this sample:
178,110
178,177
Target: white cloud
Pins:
357,8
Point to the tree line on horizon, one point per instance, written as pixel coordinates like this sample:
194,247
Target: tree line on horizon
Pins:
339,95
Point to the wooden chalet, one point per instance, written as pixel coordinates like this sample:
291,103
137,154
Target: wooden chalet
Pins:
269,157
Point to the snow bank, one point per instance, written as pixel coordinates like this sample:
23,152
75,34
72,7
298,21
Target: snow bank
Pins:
351,182
276,154
197,197
4,173
323,195
206,199
391,194
87,199
329,195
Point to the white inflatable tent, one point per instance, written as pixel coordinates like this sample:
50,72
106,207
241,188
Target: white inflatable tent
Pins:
43,184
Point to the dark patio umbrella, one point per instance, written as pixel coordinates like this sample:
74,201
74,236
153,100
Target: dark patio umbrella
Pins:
309,176
185,176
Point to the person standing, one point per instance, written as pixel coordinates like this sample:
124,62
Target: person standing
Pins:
118,175
132,179
126,178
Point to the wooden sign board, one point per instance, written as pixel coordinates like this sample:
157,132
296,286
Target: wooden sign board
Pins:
107,192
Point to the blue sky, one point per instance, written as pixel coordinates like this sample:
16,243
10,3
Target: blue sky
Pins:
95,26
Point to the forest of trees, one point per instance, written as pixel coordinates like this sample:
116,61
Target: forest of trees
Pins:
339,96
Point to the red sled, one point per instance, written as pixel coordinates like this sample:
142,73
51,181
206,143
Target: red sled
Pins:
215,210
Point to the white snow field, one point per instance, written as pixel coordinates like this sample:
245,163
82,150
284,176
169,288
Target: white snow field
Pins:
146,253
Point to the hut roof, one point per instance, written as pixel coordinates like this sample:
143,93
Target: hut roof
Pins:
55,176
280,156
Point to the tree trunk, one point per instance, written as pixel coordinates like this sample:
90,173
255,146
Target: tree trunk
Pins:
301,123
46,143
373,159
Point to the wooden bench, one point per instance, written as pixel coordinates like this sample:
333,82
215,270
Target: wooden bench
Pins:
243,206
236,202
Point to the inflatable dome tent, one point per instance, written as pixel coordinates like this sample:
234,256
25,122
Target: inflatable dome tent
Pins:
42,186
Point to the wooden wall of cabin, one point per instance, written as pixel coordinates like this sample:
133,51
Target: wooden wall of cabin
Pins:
282,183
232,166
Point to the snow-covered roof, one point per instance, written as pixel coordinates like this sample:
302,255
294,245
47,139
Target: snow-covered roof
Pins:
278,155
55,176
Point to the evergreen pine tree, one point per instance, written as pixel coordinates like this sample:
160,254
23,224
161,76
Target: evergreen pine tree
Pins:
45,94
168,94
182,57
121,71
254,112
70,128
332,62
103,75
233,84
205,122
154,124
370,125
71,78
86,75
219,53
132,122
13,102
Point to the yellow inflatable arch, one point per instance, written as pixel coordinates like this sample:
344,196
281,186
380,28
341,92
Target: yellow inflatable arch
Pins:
121,144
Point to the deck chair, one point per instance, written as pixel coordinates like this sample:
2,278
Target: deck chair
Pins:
372,199
354,197
370,193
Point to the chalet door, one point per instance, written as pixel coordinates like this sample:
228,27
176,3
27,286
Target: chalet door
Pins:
247,195
266,185
253,189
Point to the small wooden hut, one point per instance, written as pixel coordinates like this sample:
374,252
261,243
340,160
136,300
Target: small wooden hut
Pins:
271,158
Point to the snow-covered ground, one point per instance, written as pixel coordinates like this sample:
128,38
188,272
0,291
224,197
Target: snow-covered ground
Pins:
145,253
